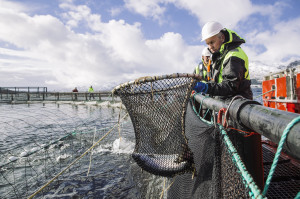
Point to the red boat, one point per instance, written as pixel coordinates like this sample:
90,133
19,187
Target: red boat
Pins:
282,90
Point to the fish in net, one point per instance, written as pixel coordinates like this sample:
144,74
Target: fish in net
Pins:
157,108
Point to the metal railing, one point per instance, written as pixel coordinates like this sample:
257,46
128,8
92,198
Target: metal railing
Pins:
22,89
54,96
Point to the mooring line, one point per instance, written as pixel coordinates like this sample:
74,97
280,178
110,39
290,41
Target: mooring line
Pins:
277,154
166,189
30,197
264,93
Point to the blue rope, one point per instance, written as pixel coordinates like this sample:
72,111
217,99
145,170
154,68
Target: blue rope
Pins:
197,112
298,195
277,155
248,180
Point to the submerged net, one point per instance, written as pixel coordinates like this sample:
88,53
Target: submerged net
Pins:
157,108
39,141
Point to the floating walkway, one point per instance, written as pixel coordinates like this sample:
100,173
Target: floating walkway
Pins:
28,94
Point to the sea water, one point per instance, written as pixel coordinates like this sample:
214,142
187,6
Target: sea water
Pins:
107,172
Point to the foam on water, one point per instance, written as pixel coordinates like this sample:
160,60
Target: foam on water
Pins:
12,158
91,103
86,103
118,105
64,102
103,148
106,103
119,146
122,145
62,157
24,153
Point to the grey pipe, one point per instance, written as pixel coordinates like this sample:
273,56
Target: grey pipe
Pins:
266,121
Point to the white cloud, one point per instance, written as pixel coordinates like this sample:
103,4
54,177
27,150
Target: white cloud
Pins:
114,52
148,8
48,51
276,36
229,13
280,43
115,11
12,6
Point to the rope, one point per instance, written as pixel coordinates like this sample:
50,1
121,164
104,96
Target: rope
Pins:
164,190
197,113
255,191
248,134
226,113
264,93
152,92
60,173
298,195
220,113
277,155
119,129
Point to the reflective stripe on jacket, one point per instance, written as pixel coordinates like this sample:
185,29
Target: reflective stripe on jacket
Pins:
201,68
238,52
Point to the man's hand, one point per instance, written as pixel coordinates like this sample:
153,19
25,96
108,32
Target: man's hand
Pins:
201,87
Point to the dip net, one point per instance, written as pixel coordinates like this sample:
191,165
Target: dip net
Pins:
157,108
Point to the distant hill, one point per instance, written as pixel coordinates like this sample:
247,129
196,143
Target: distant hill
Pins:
259,69
294,64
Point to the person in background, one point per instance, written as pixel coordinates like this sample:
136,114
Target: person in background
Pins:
91,91
204,66
204,69
75,91
230,72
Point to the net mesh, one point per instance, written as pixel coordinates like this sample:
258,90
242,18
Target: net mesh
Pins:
157,108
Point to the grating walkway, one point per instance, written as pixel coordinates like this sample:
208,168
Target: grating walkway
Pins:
286,179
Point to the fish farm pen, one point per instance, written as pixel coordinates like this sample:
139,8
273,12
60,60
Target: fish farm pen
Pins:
22,94
185,146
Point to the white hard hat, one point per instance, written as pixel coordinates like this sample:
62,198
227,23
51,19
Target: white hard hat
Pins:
206,52
211,29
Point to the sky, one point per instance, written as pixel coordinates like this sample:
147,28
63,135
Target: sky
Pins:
62,44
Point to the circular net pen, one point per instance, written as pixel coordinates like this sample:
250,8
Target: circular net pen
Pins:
157,107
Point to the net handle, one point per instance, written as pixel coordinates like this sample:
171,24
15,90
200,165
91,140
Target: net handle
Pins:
153,78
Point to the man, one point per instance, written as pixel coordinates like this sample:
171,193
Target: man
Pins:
91,91
204,66
75,90
230,72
